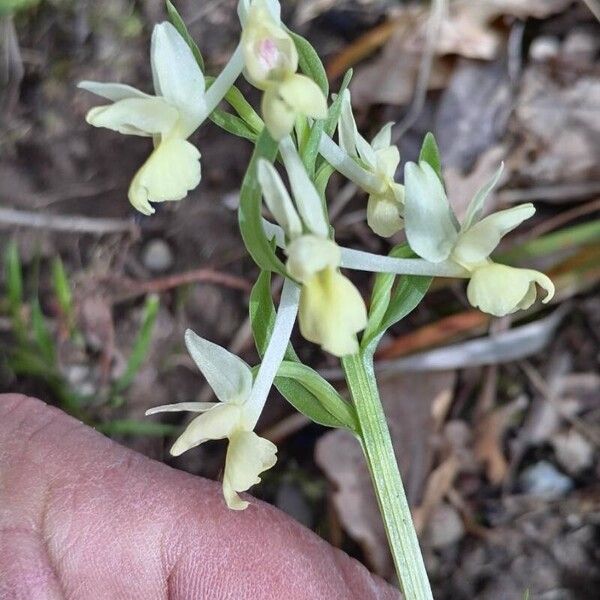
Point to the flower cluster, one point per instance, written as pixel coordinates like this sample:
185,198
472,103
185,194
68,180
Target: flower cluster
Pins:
329,308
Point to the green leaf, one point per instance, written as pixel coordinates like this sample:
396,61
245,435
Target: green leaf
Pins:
380,301
131,427
430,153
14,288
324,173
42,335
232,124
389,305
178,23
11,6
141,344
310,63
250,213
310,148
408,293
313,396
238,102
330,124
25,362
262,315
62,289
244,109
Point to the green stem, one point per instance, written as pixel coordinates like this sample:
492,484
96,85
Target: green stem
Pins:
379,452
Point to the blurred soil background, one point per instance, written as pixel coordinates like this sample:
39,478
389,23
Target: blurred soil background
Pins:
496,421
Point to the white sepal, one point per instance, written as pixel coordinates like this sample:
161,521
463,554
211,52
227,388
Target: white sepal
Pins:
475,208
480,240
215,424
181,407
177,76
227,374
307,198
277,199
135,116
112,91
427,215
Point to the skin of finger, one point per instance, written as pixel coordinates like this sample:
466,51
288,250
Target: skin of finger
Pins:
82,517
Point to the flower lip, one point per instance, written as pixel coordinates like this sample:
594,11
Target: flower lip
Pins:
501,290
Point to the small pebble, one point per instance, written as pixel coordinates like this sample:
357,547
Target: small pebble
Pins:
573,452
544,479
157,256
445,527
544,48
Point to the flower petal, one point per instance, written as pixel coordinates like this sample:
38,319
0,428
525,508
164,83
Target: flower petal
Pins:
383,139
135,116
177,75
215,424
500,290
349,138
278,115
269,51
388,160
383,216
248,455
170,172
332,312
309,254
112,91
278,200
428,218
304,96
227,374
305,194
273,7
181,407
478,242
475,209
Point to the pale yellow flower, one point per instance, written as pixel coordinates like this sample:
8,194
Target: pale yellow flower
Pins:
271,61
332,310
384,208
169,118
233,417
434,233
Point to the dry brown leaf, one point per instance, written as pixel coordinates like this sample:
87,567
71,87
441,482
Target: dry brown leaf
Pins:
438,484
466,31
409,402
439,332
489,439
560,127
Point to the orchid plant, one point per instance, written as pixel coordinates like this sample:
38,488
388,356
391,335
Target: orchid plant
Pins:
296,128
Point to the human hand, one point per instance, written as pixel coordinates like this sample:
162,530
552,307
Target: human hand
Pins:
84,518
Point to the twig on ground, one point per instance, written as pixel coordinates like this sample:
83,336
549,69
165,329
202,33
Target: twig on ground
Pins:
66,223
538,382
564,217
556,193
131,289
